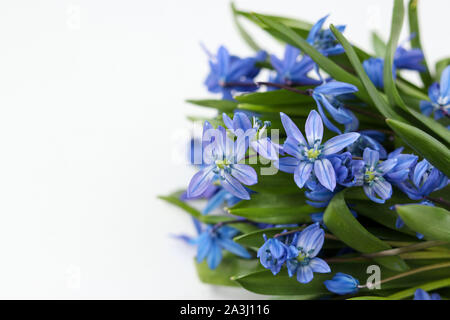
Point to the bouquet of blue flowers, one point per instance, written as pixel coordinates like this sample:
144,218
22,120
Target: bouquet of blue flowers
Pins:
328,178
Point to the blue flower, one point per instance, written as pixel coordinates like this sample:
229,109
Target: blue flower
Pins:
273,254
311,154
302,254
374,70
342,284
212,241
403,167
324,40
421,294
368,139
439,94
325,96
241,126
291,70
423,180
221,157
370,173
218,199
231,74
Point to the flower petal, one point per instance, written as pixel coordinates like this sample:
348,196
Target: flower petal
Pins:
304,274
324,172
335,88
371,157
215,255
200,182
245,174
291,129
445,83
233,247
339,142
302,173
314,128
319,265
234,187
382,188
287,164
387,166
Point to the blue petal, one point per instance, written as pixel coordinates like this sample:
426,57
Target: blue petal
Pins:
315,29
302,173
227,120
421,295
371,157
320,266
304,274
241,121
387,166
426,107
292,148
314,128
287,164
335,88
445,83
324,172
327,122
215,201
291,129
214,256
339,142
204,245
245,174
311,239
265,148
223,59
234,187
235,248
200,181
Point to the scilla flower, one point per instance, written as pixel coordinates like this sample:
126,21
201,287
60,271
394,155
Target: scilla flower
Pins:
273,254
311,155
368,139
326,95
439,94
212,241
403,167
421,294
241,125
374,70
324,40
221,157
231,74
342,284
302,254
292,70
423,180
370,173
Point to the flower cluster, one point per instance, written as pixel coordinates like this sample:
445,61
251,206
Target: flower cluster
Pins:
344,146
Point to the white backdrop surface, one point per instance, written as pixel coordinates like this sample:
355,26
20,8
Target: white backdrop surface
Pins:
91,92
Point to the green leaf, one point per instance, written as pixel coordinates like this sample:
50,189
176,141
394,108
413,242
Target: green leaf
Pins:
279,183
264,282
292,110
379,101
378,45
396,28
222,105
275,209
325,63
340,221
437,220
426,286
440,66
424,144
415,42
228,267
276,97
244,34
369,298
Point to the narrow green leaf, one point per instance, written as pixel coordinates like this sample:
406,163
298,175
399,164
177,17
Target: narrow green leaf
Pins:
279,183
378,100
222,105
276,97
340,221
415,42
228,267
378,45
437,226
369,298
426,286
424,144
244,34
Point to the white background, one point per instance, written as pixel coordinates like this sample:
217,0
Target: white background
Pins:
91,93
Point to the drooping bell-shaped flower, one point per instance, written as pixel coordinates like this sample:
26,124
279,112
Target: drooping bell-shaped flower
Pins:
273,254
324,40
405,162
421,294
310,158
326,97
342,284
